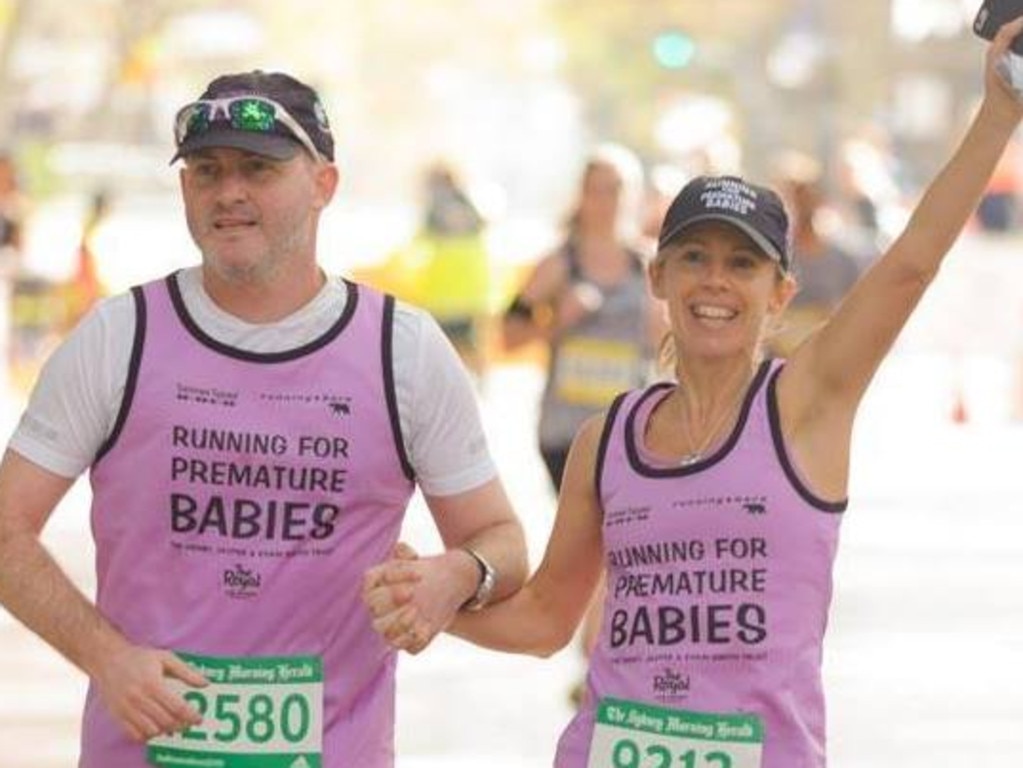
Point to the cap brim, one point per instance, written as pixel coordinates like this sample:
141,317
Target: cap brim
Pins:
758,239
266,144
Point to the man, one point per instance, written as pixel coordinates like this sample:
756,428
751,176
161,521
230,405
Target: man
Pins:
253,431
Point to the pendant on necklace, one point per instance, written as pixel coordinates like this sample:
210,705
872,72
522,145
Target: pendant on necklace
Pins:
689,459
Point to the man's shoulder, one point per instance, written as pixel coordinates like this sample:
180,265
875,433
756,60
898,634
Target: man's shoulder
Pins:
409,322
110,315
405,314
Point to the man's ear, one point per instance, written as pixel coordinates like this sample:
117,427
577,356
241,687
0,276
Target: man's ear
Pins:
328,177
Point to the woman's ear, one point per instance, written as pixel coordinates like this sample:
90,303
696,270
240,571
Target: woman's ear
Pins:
784,290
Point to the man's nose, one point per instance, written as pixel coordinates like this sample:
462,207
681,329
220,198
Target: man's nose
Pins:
232,186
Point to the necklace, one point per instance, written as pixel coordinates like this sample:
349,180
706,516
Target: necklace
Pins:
700,449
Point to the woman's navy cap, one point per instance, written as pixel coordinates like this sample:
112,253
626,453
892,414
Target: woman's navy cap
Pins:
756,210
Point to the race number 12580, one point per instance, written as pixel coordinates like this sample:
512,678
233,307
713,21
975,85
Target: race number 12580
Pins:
257,719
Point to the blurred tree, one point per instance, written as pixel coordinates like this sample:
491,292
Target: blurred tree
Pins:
610,66
123,110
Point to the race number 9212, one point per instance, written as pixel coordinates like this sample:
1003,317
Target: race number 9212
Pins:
626,753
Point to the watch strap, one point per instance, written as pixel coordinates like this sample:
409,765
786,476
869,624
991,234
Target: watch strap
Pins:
485,587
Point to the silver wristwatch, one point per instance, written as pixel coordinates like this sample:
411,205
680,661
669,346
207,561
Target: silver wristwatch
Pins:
488,578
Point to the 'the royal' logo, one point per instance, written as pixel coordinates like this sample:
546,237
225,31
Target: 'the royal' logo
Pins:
241,582
670,684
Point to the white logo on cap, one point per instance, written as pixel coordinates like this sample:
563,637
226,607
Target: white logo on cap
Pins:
321,116
729,195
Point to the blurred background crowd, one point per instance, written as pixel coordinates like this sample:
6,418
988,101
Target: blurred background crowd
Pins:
463,126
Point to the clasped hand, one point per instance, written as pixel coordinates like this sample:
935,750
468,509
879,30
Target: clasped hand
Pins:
412,599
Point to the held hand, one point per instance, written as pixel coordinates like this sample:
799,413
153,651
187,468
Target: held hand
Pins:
131,685
413,599
387,591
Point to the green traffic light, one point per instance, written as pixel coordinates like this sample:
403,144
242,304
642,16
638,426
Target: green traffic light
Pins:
674,50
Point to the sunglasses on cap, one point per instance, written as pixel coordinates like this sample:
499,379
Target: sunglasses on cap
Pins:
252,114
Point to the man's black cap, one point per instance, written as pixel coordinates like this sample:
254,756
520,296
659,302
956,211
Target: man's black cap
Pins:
300,101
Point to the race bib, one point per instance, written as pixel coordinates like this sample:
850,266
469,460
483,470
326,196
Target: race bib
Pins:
259,712
632,735
591,372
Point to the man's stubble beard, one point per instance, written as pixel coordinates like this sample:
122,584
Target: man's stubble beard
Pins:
276,259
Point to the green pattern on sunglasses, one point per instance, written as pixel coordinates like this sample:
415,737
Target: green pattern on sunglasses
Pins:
253,114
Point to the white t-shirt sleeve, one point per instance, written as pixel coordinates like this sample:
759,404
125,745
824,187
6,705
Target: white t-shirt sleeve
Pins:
437,407
76,399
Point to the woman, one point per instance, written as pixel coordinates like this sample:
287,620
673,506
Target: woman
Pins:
714,504
588,302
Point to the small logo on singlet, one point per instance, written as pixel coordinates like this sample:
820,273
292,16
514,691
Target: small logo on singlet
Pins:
670,684
188,393
755,508
337,405
241,582
747,502
340,408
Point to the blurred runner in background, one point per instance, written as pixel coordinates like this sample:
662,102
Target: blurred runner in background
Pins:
452,266
823,266
589,303
12,214
998,211
869,188
84,288
13,211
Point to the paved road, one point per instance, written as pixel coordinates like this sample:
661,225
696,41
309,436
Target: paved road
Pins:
924,659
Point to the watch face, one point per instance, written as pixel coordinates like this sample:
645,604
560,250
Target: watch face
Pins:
487,585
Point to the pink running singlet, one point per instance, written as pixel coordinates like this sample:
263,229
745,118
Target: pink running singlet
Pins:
236,506
718,587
